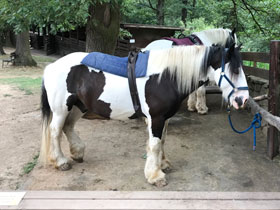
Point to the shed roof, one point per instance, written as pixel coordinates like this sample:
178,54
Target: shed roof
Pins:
146,26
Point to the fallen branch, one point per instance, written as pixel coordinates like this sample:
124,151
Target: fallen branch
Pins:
260,98
269,118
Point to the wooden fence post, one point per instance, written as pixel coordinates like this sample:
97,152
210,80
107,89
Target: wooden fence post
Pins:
274,98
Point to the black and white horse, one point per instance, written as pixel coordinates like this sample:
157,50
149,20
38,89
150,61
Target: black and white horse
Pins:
224,37
71,90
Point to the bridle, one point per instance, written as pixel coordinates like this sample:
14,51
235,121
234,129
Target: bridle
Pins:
223,75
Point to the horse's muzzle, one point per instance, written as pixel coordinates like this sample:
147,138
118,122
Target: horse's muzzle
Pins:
239,102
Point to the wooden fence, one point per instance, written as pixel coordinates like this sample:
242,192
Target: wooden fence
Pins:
256,57
273,75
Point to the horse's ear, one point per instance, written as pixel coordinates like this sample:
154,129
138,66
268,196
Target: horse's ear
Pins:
233,32
239,46
231,49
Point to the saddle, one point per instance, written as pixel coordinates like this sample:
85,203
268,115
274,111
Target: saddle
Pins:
117,65
189,40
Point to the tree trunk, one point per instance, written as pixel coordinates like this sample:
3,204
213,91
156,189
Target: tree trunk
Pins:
103,28
160,12
193,9
2,52
184,12
23,53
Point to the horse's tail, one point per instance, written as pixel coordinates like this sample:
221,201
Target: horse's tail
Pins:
46,119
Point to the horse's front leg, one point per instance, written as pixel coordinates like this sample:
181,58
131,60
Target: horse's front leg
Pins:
165,164
153,168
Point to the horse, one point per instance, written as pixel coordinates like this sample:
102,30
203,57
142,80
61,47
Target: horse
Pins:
70,90
224,37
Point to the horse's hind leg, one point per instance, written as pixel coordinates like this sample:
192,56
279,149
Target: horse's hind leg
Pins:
192,101
56,154
201,100
153,171
77,147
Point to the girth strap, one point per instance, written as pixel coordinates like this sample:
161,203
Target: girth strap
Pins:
132,57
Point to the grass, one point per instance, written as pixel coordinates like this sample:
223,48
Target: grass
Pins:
43,59
26,84
30,165
7,95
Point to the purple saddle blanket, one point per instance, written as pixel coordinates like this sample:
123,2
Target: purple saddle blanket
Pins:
185,41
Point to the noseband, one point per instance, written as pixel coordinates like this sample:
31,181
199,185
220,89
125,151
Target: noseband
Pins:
223,75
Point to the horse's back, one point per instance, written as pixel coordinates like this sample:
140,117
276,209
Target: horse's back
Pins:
158,45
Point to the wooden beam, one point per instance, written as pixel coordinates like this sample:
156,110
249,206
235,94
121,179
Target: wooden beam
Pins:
255,56
273,103
262,73
147,200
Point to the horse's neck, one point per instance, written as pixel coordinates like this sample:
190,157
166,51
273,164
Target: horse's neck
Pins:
209,37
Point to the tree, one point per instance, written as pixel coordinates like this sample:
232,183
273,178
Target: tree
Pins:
18,14
62,16
102,27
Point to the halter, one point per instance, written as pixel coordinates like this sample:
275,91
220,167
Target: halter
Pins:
223,75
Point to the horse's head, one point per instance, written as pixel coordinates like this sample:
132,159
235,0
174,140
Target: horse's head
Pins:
225,65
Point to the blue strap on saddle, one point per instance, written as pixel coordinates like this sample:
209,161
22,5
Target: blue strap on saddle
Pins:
116,65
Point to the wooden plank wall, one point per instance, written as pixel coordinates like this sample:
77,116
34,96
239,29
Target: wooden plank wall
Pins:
148,200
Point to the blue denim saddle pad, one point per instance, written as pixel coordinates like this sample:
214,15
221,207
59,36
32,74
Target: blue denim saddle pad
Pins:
116,65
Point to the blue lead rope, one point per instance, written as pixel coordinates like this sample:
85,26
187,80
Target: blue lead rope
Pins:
256,123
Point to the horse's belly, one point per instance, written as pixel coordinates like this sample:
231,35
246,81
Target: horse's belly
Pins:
116,93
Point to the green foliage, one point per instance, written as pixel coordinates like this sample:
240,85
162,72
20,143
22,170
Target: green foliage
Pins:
26,84
197,24
257,22
124,34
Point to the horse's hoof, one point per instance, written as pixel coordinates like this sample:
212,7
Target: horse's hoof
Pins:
202,112
78,160
167,170
65,167
165,166
161,183
191,109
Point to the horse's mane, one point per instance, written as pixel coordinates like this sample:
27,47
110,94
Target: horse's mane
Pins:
216,36
186,64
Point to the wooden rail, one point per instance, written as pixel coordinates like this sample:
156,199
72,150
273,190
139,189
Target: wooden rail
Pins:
147,200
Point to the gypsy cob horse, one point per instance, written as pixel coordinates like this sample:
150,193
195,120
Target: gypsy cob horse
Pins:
71,89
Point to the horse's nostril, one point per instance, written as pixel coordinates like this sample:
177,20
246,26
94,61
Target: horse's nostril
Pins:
239,101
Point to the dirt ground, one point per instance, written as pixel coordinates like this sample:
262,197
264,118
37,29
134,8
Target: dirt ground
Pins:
206,155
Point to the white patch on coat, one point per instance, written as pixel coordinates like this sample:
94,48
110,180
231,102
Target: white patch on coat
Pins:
116,92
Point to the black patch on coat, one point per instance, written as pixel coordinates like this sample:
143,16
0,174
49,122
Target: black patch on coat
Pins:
163,99
85,88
